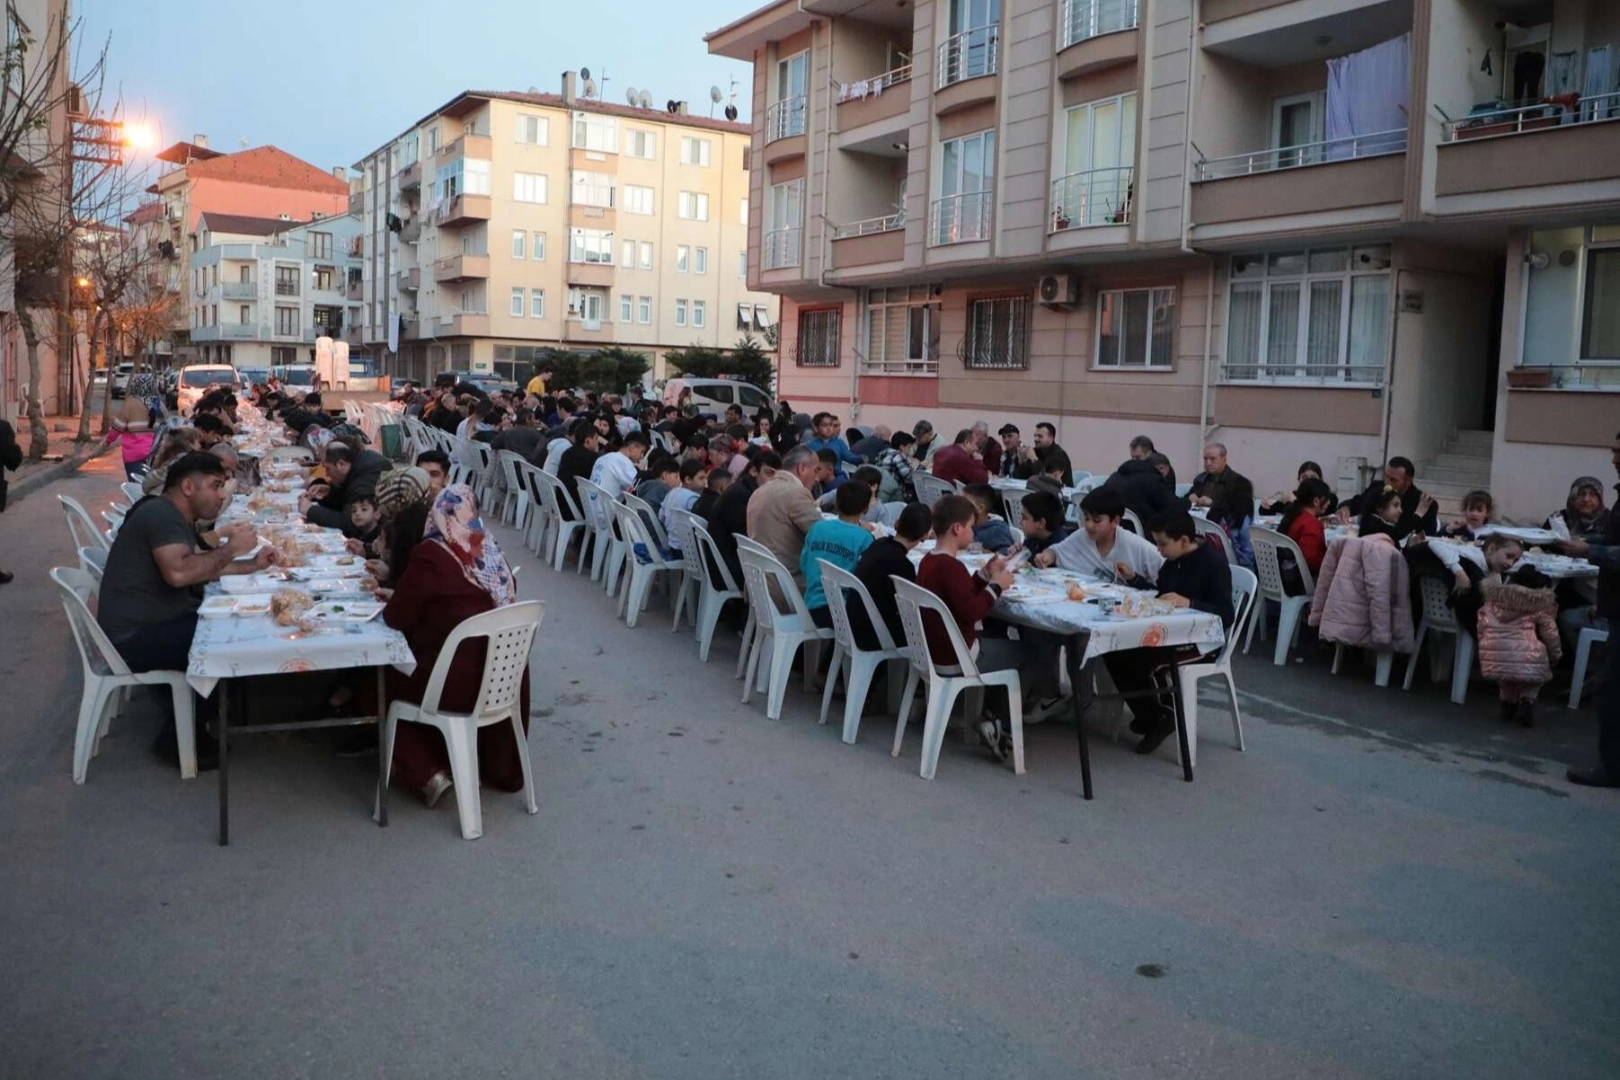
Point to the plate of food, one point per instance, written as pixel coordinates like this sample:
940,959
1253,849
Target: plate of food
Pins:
249,605
346,611
218,607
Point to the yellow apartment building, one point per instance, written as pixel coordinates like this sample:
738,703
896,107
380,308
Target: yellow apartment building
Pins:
502,224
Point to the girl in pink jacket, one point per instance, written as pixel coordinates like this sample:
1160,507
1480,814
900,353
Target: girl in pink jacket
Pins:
1518,639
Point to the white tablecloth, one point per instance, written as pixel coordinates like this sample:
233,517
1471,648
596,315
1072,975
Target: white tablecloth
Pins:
230,647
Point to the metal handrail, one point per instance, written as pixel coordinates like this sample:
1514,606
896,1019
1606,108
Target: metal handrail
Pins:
869,226
781,248
1585,110
1314,374
968,55
961,218
876,84
785,119
1094,197
1372,144
1084,19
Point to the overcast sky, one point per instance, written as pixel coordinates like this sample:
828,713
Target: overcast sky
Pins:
331,80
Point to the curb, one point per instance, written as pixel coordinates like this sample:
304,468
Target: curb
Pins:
41,477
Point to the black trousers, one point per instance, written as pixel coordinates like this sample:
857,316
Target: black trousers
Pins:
1143,669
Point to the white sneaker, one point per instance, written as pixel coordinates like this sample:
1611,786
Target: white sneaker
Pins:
990,735
434,789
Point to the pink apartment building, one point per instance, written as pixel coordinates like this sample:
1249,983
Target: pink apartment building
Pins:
1327,229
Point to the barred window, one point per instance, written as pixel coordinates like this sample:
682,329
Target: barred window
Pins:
997,335
818,338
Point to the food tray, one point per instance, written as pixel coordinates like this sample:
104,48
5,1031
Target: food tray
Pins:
345,611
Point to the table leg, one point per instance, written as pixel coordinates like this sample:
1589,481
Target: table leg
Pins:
1181,725
224,749
1076,651
382,749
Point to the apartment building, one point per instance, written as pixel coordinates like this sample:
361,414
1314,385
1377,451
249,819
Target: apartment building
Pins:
263,289
264,182
1327,229
502,224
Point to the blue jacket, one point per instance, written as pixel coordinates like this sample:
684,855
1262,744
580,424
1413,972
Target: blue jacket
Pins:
838,446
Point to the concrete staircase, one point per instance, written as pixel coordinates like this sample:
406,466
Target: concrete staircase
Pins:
1462,465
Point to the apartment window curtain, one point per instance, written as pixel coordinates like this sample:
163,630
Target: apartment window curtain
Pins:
1367,93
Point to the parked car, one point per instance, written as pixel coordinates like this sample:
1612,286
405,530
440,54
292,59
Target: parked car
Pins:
713,395
251,375
197,379
120,379
487,381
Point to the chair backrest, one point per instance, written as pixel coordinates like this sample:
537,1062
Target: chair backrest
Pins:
913,600
649,518
633,529
1244,588
748,543
840,585
93,561
681,523
98,653
767,579
1134,523
132,491
511,469
1013,499
510,632
1268,544
81,526
1210,532
594,501
930,489
713,564
1436,592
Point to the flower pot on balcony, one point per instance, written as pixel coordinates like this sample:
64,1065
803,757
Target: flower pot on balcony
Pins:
1530,378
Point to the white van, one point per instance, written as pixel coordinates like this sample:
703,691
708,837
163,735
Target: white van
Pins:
197,379
713,395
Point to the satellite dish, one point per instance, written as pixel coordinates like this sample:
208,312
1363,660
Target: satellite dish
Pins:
715,95
644,99
731,112
534,89
590,87
630,95
585,73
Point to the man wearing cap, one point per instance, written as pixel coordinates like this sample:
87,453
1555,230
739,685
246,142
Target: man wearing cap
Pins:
1011,441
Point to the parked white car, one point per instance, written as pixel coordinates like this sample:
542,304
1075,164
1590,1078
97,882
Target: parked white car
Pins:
197,379
120,379
713,395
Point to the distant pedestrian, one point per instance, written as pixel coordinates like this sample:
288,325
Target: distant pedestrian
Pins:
10,458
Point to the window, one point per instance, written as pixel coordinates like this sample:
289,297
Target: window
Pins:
286,320
742,264
694,151
693,206
1318,315
537,303
324,277
538,251
593,189
683,258
433,139
700,260
638,200
1299,120
745,316
627,254
1136,328
534,130
600,133
1600,319
286,281
784,216
646,261
700,313
475,241
242,314
742,211
786,115
626,308
590,246
640,144
463,176
680,313
518,238
997,334
818,337
517,302
966,181
586,306
1099,156
762,317
320,245
902,330
644,310
529,187
244,274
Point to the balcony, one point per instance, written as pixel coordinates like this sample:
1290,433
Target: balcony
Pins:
968,55
960,219
354,289
410,177
869,242
1095,197
467,324
411,231
410,280
1293,157
465,210
1363,175
239,290
1499,158
781,248
461,268
225,331
882,97
599,275
1096,34
785,119
477,147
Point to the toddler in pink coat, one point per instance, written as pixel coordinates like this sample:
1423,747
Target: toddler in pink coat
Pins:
1518,639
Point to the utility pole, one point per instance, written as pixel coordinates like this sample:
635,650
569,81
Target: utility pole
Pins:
104,140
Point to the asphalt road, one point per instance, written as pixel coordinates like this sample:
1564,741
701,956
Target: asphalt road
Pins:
1382,886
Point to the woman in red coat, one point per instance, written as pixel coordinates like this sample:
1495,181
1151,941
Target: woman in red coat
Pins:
1302,524
456,572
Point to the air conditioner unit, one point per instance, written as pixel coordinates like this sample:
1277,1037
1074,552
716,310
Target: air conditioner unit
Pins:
1060,290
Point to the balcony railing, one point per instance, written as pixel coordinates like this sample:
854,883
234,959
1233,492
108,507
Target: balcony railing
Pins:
782,248
1084,19
1094,197
958,219
1305,374
602,196
1586,110
286,288
784,119
239,290
1373,144
968,55
873,87
871,226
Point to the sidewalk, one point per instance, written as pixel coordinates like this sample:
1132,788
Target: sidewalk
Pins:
63,456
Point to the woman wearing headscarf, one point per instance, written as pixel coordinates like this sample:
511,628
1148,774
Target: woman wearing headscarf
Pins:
135,426
455,572
403,499
1584,517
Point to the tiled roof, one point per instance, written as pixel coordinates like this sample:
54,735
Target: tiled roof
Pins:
152,211
269,167
245,225
183,152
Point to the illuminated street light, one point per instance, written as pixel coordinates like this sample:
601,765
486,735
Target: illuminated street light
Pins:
139,136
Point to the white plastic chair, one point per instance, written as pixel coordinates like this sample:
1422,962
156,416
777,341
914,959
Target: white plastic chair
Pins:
1134,523
132,491
930,489
743,542
81,526
1244,586
1438,618
945,682
540,522
640,573
509,632
1588,637
686,593
1267,544
554,496
606,551
780,631
715,586
106,676
515,500
855,663
93,561
1205,528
